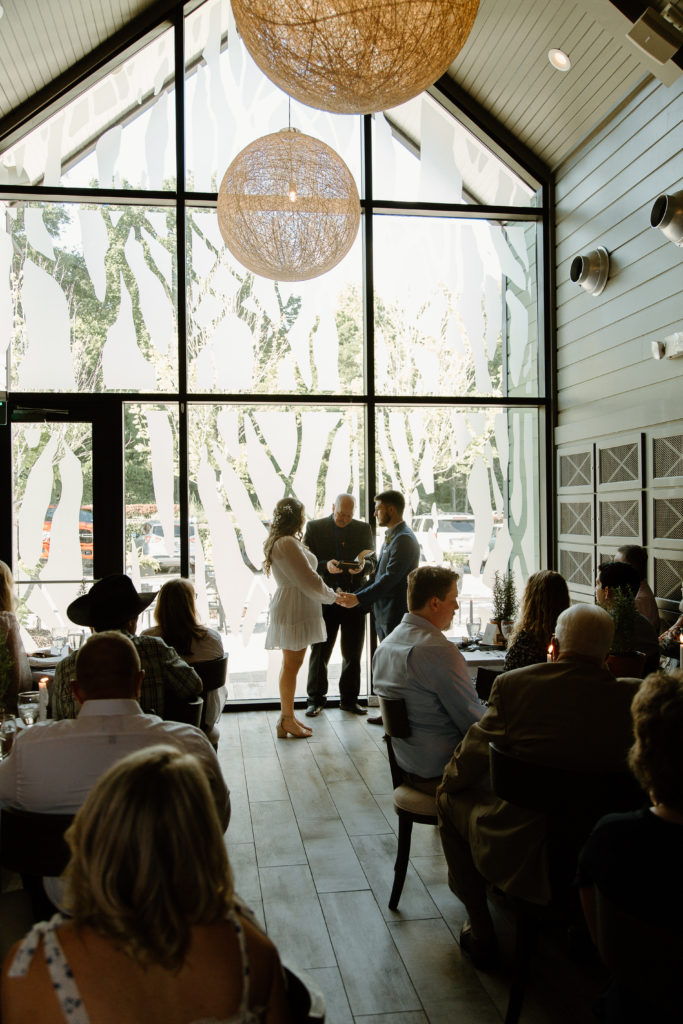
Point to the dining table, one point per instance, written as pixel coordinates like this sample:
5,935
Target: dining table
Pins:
479,656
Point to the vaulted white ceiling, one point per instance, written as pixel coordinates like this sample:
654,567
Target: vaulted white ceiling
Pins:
503,65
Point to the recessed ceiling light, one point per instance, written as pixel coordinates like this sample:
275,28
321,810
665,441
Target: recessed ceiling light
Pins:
559,60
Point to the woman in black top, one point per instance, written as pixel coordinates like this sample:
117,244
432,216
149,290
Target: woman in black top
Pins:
545,596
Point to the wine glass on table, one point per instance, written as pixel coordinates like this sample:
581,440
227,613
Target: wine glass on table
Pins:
8,729
506,629
473,629
59,639
28,706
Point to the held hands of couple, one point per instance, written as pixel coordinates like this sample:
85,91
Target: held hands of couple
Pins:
346,600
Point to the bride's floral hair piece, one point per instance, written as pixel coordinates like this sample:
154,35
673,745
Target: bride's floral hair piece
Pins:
287,521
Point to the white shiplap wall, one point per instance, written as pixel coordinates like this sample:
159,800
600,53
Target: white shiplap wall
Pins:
607,379
616,404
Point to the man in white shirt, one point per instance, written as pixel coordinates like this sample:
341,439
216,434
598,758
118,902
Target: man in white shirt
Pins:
53,765
417,662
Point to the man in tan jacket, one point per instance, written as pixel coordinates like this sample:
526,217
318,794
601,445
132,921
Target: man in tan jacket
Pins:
571,713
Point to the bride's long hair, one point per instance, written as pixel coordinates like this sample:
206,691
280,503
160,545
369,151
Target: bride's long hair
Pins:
288,521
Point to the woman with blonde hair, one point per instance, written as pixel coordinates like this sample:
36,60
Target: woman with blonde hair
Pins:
295,619
156,934
545,596
19,669
178,625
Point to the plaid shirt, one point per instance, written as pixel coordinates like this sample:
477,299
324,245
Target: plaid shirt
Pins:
164,669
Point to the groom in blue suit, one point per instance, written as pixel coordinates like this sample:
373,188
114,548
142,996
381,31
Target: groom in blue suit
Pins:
387,594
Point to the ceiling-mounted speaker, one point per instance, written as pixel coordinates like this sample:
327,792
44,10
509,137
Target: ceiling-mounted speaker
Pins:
655,36
591,271
667,215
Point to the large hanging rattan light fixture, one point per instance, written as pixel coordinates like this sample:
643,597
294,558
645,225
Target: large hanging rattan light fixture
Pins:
288,207
354,57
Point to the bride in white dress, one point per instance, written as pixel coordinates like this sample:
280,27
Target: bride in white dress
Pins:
296,618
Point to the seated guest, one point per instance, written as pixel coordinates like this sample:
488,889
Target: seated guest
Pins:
177,625
612,575
545,596
672,635
417,662
53,768
156,932
635,859
19,669
114,603
570,713
646,604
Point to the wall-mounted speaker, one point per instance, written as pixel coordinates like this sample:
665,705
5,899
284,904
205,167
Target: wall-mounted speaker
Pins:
667,215
655,36
591,271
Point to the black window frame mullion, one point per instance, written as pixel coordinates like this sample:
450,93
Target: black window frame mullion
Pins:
181,295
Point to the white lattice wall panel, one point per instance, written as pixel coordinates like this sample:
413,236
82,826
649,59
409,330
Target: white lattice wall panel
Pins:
575,468
620,518
619,464
577,565
575,518
668,574
667,456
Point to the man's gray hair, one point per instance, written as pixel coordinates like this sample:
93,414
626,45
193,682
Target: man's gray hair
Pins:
585,630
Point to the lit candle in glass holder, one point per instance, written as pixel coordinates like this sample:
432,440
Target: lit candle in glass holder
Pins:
42,707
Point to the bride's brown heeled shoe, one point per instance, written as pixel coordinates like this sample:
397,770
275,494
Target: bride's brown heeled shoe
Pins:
283,730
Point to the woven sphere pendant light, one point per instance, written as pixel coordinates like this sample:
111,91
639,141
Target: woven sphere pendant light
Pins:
354,56
288,207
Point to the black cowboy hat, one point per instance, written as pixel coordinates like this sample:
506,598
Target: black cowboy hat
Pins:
108,603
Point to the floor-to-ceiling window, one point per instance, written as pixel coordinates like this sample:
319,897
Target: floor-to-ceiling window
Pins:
162,398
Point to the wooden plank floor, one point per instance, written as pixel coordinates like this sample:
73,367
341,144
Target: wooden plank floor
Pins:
312,843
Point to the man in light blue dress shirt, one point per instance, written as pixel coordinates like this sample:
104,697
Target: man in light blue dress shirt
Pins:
417,662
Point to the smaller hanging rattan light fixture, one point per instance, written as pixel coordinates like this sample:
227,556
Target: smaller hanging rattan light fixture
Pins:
288,207
354,57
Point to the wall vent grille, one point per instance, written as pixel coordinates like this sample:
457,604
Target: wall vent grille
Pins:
668,518
576,518
620,464
620,518
576,470
667,456
577,567
668,577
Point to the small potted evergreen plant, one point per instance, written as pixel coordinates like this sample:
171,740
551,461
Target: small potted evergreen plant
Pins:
623,660
504,606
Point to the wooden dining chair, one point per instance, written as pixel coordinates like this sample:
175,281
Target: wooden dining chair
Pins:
32,844
213,675
410,804
187,711
306,1001
484,681
571,802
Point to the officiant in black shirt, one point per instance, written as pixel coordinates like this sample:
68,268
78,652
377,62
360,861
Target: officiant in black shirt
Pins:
338,541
